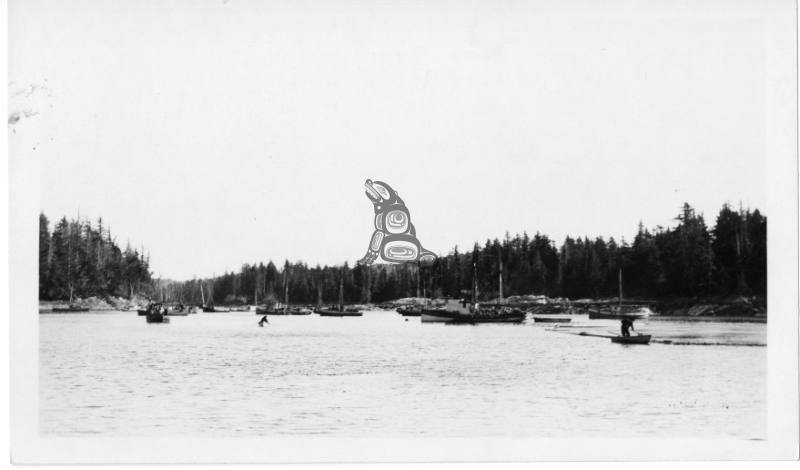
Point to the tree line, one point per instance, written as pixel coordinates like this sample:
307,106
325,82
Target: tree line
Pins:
687,260
78,259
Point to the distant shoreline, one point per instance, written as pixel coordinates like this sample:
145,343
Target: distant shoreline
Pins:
752,310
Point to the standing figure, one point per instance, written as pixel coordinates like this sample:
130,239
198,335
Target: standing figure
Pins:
627,324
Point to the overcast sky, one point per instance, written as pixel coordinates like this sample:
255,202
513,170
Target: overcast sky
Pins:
216,133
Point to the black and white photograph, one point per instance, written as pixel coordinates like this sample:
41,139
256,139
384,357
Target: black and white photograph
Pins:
400,231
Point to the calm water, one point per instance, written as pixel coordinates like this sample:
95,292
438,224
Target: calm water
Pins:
379,375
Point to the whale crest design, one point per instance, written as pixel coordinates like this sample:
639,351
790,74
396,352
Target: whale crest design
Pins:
395,238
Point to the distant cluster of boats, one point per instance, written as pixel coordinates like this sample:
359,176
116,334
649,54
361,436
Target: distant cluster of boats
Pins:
330,311
461,312
448,310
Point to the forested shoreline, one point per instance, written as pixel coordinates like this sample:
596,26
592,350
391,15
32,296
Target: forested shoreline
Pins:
687,261
78,259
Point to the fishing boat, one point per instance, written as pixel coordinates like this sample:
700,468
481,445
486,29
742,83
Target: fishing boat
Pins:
490,316
435,316
300,311
461,313
409,312
339,311
335,312
274,309
214,309
157,318
551,320
177,312
638,339
512,316
278,308
156,314
620,312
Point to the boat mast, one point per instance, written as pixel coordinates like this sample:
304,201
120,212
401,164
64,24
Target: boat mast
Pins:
474,283
424,290
620,290
501,280
418,269
341,292
202,295
285,291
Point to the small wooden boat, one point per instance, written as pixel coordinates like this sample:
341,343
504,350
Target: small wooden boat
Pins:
300,311
340,310
215,309
71,308
638,339
157,318
141,311
551,320
409,312
276,309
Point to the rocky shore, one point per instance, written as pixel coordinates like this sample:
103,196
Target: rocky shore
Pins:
741,307
95,304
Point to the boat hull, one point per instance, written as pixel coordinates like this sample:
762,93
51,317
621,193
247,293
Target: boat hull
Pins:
426,317
216,310
409,312
639,339
551,320
336,313
438,316
158,318
615,316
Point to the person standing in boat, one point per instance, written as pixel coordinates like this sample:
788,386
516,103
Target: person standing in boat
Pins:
627,324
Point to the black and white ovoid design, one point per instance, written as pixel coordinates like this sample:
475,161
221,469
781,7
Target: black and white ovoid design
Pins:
394,239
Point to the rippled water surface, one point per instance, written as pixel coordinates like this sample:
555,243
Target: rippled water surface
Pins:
379,375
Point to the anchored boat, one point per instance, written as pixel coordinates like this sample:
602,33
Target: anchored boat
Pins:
341,311
551,320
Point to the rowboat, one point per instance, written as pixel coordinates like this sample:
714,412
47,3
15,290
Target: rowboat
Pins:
157,318
639,339
551,320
